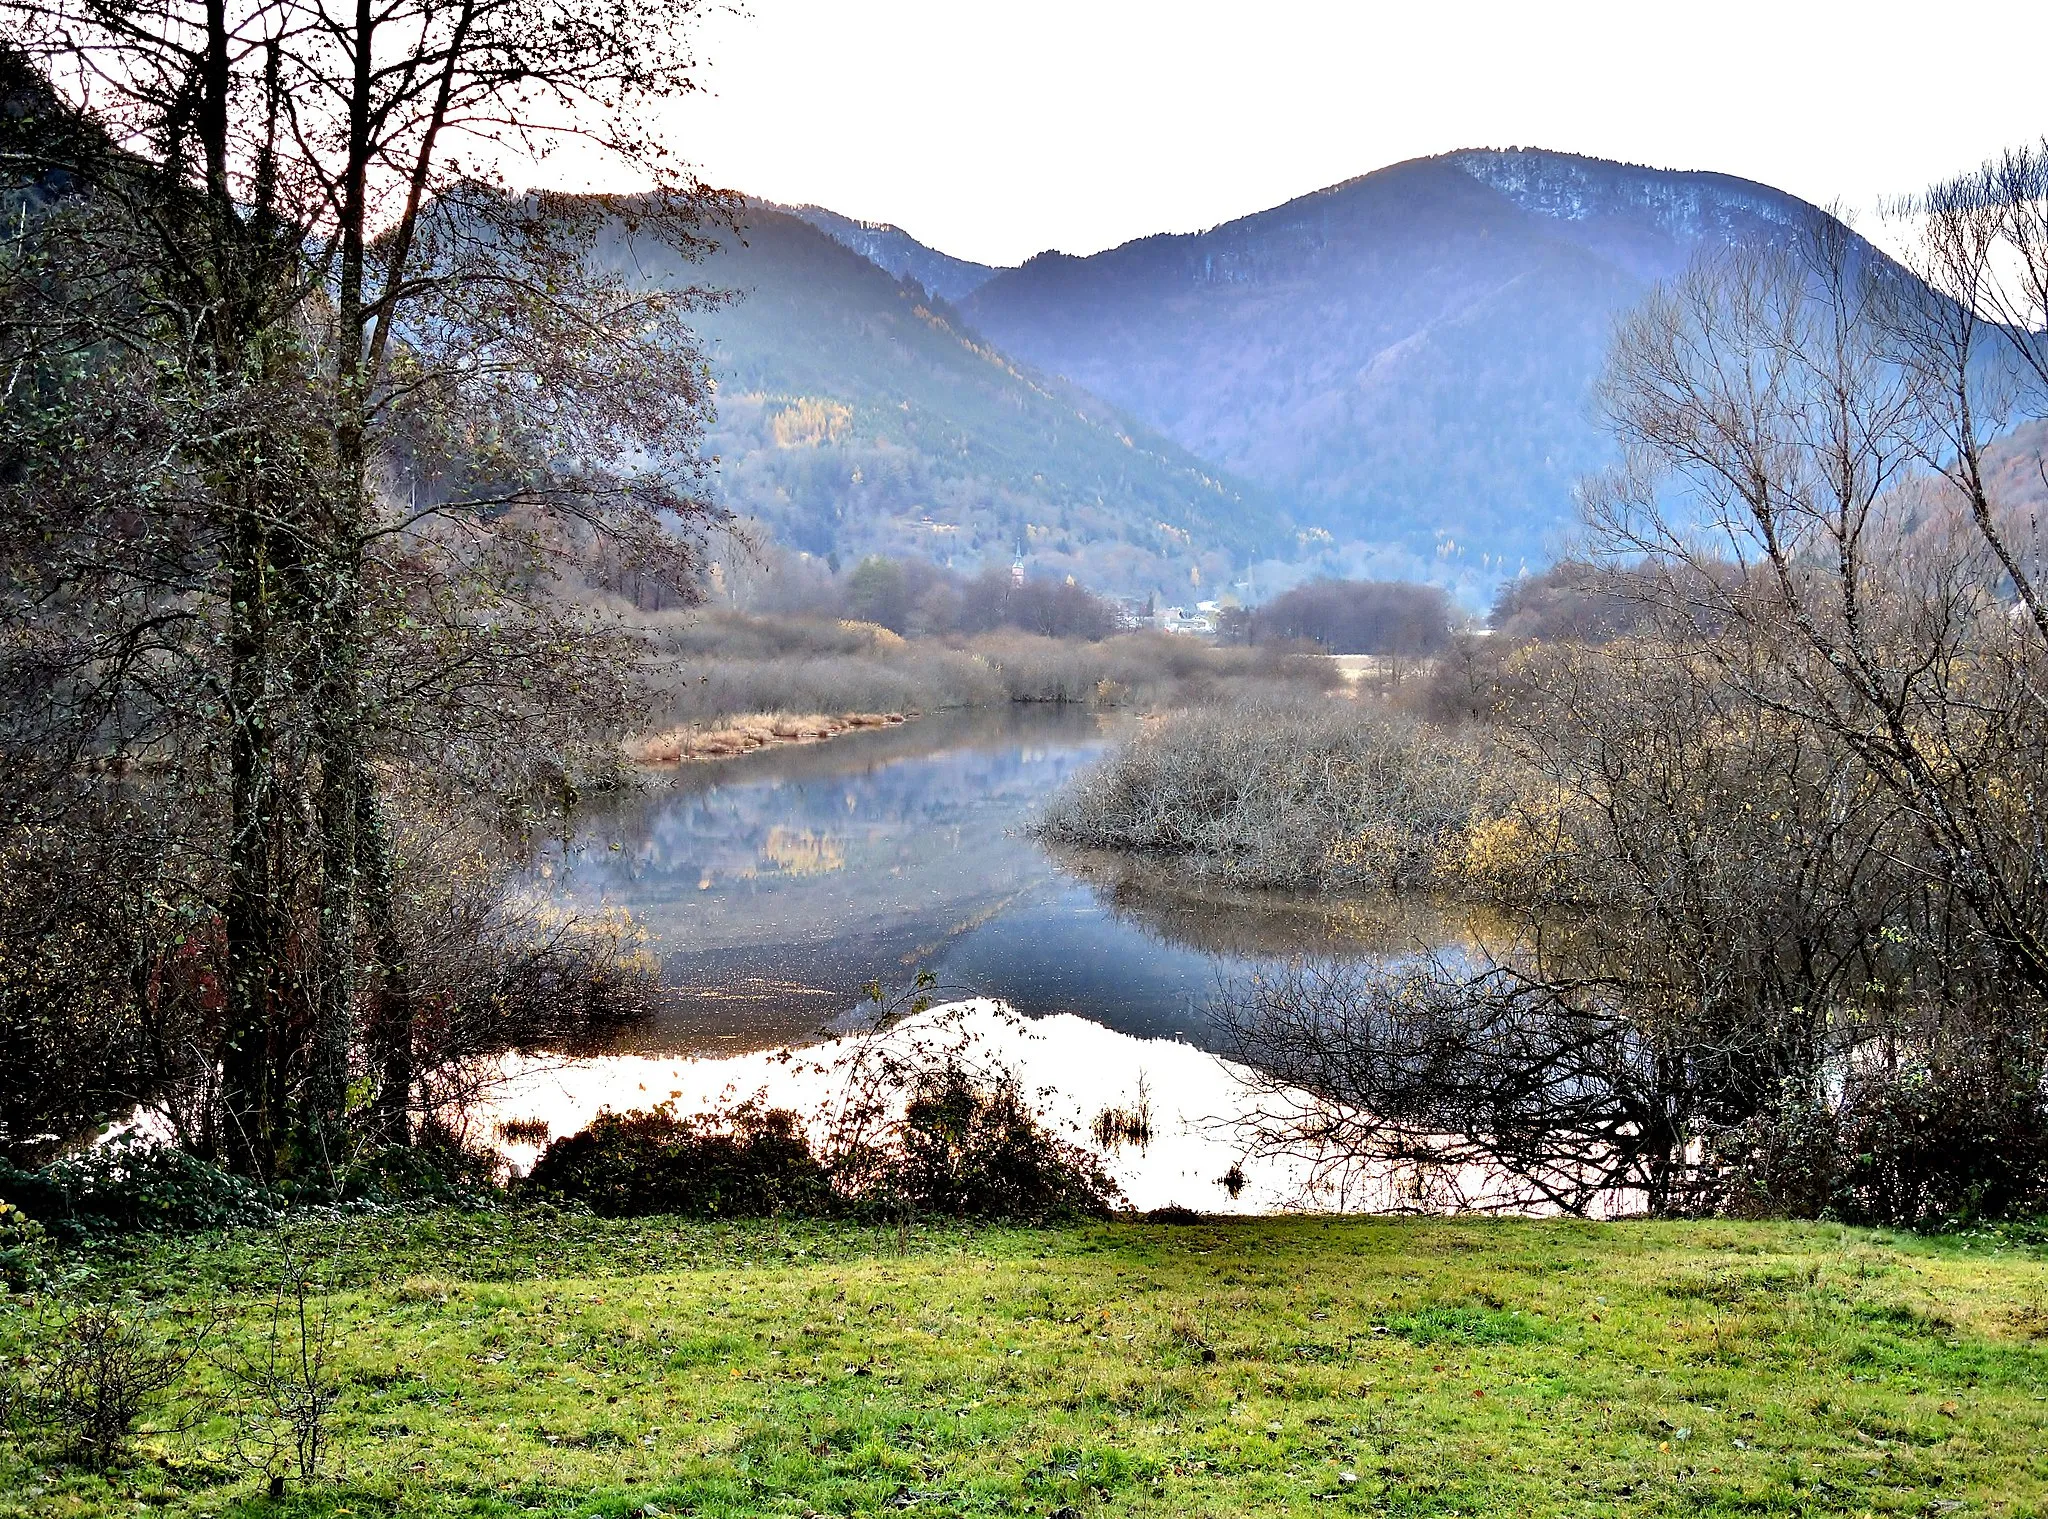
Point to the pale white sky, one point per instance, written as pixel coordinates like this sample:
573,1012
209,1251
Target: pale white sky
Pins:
993,129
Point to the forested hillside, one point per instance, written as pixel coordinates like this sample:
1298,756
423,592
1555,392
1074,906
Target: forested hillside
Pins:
895,250
1408,358
857,415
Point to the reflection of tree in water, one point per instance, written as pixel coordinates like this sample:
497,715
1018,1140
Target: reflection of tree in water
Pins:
1163,899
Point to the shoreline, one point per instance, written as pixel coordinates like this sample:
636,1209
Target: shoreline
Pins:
749,735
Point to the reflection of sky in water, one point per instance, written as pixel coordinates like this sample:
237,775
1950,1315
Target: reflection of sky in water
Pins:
775,886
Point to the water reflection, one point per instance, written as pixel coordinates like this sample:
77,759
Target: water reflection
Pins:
776,885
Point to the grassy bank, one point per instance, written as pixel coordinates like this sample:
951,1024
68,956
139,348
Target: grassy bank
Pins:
538,1363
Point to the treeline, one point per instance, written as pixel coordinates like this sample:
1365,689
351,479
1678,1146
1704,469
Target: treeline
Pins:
1757,803
919,599
1389,617
915,597
302,421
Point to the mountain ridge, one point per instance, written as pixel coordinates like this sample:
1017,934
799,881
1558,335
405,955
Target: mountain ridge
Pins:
1406,358
859,414
1403,363
890,248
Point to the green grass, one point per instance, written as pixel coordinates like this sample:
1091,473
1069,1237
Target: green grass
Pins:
539,1363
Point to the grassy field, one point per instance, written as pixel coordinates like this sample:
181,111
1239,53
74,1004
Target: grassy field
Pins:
537,1363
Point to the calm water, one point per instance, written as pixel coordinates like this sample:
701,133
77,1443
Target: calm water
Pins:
775,886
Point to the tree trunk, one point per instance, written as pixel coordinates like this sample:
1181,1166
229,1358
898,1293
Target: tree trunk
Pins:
338,635
337,737
251,921
391,1022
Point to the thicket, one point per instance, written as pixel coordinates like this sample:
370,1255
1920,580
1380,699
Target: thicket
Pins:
1390,617
913,597
749,1163
720,664
132,1186
967,1145
1574,601
1272,792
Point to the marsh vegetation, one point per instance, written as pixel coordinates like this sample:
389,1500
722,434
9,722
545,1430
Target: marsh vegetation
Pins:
709,666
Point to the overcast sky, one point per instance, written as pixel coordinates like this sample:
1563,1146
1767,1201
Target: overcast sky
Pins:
993,129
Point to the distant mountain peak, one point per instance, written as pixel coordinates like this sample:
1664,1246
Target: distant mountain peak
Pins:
1409,358
1573,187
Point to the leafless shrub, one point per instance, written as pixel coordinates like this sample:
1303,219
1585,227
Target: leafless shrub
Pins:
285,1386
1420,1089
95,1368
1572,601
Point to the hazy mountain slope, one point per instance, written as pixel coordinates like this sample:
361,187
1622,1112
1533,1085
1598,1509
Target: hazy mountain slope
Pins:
857,416
1408,358
898,252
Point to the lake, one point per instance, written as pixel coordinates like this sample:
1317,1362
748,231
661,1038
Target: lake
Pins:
775,886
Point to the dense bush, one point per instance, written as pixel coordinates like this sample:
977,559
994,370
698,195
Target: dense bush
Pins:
975,1150
1917,1145
749,1163
966,1146
1279,793
21,1250
132,1186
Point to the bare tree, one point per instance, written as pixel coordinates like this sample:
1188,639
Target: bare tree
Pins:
394,393
1980,351
1778,413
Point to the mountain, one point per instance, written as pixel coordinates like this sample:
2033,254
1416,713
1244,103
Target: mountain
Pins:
1407,360
857,414
895,250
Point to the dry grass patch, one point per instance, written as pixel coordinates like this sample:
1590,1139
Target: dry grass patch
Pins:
743,735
